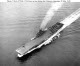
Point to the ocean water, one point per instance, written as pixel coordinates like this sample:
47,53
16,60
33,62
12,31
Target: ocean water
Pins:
20,21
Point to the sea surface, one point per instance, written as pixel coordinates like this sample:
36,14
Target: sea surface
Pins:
19,22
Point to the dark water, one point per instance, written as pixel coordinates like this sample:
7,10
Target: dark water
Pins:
20,21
